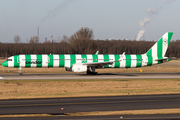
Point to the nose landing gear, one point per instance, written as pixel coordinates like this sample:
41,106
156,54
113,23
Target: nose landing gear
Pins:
20,73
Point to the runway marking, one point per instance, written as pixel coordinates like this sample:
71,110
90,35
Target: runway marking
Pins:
1,78
88,103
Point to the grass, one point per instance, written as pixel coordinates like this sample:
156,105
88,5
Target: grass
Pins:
18,89
128,112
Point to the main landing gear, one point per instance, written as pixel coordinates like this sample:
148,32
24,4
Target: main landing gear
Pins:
91,71
20,73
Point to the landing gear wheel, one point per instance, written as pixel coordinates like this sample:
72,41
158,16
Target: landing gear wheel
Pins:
21,74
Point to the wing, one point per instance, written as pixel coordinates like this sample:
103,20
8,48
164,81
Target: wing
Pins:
101,64
98,64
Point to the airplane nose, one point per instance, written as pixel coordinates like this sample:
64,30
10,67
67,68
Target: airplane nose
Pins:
5,64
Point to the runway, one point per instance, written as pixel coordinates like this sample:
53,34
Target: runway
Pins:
16,76
111,117
70,105
86,104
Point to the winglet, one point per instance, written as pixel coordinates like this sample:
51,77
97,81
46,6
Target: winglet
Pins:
97,52
122,56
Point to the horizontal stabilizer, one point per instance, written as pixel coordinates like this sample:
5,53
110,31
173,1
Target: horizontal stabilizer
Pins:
164,58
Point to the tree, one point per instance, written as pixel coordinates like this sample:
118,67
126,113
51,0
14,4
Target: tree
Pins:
65,38
79,40
17,39
82,33
34,39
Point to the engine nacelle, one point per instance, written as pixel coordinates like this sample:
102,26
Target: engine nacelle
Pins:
79,68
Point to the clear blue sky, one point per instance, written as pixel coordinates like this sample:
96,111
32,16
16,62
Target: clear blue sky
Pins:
118,19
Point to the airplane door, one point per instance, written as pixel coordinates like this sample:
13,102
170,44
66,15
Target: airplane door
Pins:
145,60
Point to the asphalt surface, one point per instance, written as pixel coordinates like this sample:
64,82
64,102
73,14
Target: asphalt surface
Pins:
114,117
86,104
16,76
114,103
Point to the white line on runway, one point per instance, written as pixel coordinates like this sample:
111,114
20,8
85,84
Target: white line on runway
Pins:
1,78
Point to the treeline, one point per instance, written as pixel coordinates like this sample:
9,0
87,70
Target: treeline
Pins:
82,43
86,47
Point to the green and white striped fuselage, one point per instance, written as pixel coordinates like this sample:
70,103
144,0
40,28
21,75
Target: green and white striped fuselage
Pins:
67,60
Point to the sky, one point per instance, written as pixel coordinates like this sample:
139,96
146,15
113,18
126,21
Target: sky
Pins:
109,19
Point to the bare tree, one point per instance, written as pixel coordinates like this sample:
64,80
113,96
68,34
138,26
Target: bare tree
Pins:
79,40
34,39
82,33
17,39
65,38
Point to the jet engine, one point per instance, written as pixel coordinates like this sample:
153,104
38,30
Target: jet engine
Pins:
79,68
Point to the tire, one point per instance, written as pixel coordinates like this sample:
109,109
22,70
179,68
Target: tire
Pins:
21,74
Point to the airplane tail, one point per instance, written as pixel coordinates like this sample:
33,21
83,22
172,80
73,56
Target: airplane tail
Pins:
158,50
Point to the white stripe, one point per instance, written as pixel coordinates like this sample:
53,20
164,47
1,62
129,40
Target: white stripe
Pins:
78,58
89,59
123,62
133,60
56,61
11,63
1,78
100,58
67,60
154,50
22,60
165,44
145,60
33,59
44,61
111,57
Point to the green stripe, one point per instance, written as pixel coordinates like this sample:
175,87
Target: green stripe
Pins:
116,64
84,58
139,60
159,48
95,58
61,60
16,60
149,53
73,60
169,37
150,60
50,60
27,60
128,61
39,60
106,59
160,61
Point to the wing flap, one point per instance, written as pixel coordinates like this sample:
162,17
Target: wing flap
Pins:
98,63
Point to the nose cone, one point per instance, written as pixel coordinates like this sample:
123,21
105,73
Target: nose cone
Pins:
5,64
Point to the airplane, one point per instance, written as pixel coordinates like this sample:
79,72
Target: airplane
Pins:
89,62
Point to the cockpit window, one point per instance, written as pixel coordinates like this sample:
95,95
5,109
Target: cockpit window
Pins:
8,59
